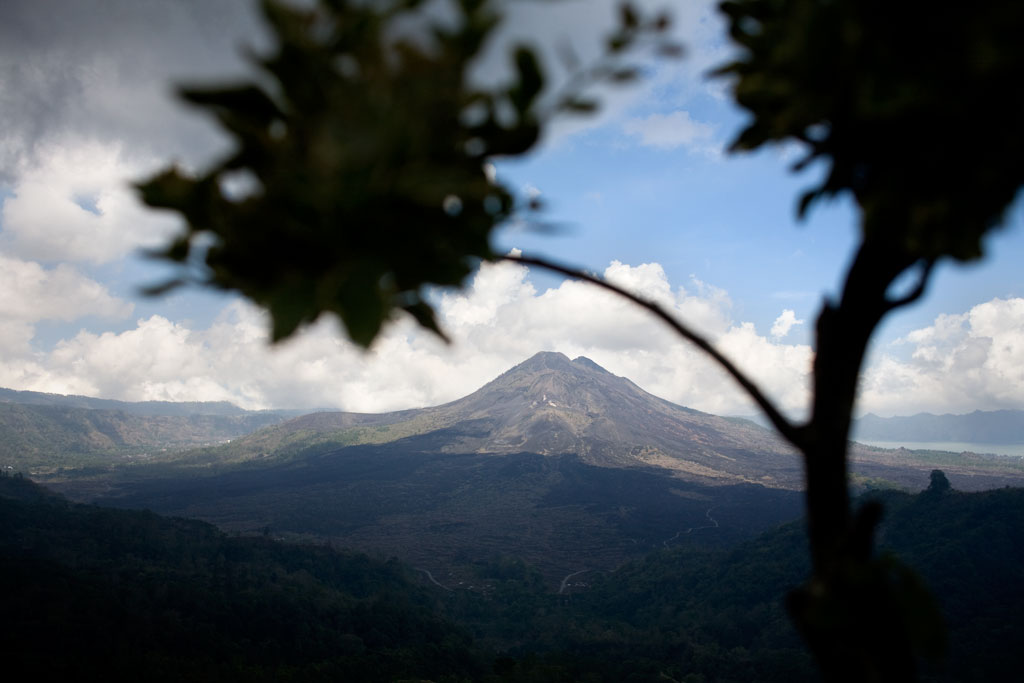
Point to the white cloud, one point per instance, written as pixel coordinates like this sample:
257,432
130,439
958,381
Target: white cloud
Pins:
498,321
668,131
960,363
32,293
76,204
784,323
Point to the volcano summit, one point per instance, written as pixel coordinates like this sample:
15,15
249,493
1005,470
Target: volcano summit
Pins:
551,405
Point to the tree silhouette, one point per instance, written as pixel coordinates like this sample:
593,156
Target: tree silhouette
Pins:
365,164
939,483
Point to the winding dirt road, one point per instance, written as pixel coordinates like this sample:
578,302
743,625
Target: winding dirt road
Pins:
713,525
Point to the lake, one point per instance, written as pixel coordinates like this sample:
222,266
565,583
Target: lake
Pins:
1016,449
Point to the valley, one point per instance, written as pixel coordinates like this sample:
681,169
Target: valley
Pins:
443,512
44,434
556,462
557,524
105,593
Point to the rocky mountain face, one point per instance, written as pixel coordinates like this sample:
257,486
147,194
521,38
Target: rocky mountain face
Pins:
551,405
556,461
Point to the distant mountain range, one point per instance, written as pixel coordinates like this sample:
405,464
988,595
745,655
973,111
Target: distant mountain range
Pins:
136,408
996,427
556,460
44,432
547,405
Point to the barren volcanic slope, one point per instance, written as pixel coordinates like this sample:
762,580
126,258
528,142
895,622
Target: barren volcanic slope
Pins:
550,405
553,406
558,462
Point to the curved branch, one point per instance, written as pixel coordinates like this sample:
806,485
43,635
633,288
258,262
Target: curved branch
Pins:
914,294
790,431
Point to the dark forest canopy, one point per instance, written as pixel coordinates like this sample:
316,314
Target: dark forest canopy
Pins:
103,594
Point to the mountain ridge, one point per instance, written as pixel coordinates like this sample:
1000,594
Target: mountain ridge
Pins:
979,426
556,459
163,408
42,437
551,405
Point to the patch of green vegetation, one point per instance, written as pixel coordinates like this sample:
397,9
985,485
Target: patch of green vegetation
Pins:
285,444
863,483
386,433
113,595
58,440
989,464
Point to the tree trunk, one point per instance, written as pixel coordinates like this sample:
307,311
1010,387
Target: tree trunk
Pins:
846,611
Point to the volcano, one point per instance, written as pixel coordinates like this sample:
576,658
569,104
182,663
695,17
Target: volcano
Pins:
551,405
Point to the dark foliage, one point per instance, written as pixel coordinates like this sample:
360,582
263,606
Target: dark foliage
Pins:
358,177
367,177
98,594
913,106
696,615
94,593
891,98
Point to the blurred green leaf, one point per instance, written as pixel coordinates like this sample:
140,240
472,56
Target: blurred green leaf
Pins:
579,105
356,139
914,106
163,287
628,16
625,75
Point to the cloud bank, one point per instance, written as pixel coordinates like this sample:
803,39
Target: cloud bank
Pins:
105,71
499,320
960,363
75,203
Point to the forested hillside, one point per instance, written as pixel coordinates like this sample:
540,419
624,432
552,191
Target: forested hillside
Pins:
99,593
45,437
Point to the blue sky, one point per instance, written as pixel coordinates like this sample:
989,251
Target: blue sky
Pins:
644,193
728,218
